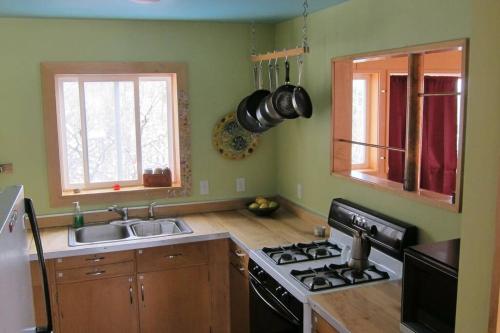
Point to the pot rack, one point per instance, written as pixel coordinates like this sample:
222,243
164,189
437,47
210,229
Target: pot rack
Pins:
286,53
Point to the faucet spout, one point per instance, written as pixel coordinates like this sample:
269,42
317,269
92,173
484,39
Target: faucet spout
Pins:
122,211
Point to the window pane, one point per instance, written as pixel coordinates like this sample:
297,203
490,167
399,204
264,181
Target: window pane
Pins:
112,154
71,127
155,105
359,103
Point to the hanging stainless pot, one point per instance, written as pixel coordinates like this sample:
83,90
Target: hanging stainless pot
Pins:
266,113
282,97
246,111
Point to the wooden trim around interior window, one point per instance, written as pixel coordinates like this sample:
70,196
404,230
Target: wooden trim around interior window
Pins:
56,196
340,158
494,326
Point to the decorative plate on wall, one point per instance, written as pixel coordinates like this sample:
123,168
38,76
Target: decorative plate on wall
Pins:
231,140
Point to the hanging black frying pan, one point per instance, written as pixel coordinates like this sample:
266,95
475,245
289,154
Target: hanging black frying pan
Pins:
282,98
266,113
300,99
246,112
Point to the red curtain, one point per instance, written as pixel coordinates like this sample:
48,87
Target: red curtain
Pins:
397,127
439,133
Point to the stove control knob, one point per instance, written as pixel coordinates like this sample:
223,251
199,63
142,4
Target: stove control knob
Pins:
373,230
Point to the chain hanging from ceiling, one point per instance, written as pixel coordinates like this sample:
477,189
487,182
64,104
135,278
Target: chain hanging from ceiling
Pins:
305,14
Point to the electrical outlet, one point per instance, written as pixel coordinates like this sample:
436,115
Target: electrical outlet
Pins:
299,191
204,187
240,185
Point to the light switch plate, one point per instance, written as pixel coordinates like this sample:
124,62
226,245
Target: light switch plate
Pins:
299,191
240,185
204,187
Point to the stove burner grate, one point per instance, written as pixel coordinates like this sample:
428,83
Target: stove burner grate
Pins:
302,252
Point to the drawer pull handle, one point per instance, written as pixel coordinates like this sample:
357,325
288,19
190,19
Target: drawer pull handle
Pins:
96,273
173,256
238,253
240,268
97,259
142,292
130,293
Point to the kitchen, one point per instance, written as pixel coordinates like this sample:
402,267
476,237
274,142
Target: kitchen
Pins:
291,161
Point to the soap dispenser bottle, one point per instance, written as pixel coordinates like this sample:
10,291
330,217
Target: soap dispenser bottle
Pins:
77,216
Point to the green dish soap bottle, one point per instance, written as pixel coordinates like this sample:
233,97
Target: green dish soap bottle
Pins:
77,216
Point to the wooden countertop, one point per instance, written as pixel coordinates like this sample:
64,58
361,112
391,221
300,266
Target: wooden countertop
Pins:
373,308
249,231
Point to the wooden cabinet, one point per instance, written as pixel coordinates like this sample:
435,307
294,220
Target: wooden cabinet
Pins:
175,300
102,305
320,325
167,289
239,290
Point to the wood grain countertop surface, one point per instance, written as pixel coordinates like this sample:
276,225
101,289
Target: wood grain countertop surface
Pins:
373,308
249,231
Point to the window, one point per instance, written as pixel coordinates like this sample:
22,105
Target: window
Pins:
359,120
398,119
111,123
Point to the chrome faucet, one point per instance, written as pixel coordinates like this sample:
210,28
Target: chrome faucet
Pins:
151,211
122,211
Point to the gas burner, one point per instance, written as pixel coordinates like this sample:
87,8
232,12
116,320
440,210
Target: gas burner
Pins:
335,276
302,252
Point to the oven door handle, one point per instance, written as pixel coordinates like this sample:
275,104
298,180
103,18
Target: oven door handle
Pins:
285,316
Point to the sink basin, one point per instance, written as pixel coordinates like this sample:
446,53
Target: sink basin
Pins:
162,227
126,230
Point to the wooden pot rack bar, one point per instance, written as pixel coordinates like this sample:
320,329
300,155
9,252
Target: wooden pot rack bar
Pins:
280,54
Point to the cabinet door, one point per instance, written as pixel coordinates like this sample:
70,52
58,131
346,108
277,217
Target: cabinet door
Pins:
105,305
320,325
175,300
240,316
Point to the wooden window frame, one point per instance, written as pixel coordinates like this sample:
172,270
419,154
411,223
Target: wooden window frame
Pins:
342,67
182,180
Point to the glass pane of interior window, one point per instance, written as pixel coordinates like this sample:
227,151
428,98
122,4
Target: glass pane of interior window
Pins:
359,118
111,140
155,105
71,128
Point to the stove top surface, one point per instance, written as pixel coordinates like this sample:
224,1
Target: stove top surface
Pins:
300,252
335,276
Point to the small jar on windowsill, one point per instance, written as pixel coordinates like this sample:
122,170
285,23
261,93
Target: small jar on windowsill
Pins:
163,179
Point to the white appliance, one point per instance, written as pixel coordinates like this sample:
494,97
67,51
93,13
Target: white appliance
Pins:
16,299
288,274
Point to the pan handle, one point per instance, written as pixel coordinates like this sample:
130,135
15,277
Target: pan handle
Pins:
255,76
260,75
287,72
270,71
276,73
300,63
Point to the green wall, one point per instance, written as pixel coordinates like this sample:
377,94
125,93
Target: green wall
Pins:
303,146
219,77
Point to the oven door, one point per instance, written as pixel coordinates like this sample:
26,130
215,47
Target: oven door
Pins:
267,314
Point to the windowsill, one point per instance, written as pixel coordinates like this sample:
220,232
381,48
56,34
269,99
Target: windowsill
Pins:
129,193
138,188
429,197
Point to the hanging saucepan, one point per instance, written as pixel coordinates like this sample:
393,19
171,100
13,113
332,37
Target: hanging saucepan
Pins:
246,112
282,98
300,98
266,114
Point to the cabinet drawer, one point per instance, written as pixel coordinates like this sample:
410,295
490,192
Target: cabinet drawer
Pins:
93,259
95,272
172,256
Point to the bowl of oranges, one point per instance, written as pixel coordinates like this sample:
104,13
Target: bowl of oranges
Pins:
262,206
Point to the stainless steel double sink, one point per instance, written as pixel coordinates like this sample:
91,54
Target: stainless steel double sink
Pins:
126,230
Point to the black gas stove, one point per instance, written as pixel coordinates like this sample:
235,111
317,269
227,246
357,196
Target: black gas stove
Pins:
335,276
290,254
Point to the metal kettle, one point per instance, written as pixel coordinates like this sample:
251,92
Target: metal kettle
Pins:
360,251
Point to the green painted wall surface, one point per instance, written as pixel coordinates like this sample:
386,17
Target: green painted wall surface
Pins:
219,77
303,146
